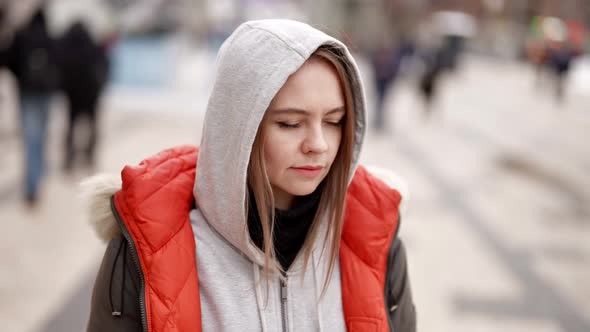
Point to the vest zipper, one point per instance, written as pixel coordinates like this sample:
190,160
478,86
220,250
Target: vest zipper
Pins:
284,304
134,256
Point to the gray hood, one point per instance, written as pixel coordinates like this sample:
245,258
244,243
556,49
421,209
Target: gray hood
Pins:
252,65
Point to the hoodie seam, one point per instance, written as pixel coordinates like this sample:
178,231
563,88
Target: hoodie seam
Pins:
201,218
283,39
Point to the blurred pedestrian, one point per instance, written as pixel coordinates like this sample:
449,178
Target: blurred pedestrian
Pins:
434,66
84,67
386,62
560,57
255,238
31,58
536,53
385,69
452,49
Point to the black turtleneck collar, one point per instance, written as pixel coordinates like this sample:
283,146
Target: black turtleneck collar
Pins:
291,226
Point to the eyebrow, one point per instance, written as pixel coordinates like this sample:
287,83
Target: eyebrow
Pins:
304,112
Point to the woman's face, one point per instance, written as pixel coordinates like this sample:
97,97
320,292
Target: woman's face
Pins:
302,129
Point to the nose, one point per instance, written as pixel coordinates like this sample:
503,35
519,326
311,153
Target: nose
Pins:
315,140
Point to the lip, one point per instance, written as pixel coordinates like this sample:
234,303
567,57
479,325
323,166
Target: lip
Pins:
309,171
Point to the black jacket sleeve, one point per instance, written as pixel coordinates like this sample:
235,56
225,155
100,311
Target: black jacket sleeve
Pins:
399,298
116,289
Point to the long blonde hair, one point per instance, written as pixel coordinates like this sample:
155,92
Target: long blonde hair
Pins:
334,186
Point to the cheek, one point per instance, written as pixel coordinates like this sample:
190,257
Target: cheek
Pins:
278,153
334,140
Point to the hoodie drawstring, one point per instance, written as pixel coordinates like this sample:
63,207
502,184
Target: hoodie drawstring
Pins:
259,299
122,296
315,287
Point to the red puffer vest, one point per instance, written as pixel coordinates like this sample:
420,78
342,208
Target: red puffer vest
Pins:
154,206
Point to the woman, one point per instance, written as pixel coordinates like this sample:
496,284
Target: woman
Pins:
254,235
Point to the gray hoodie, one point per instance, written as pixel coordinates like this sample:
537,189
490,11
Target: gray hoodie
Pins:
252,66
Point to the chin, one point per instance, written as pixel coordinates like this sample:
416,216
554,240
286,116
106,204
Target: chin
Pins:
303,189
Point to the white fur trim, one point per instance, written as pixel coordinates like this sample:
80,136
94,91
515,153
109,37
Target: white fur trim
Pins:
394,181
97,191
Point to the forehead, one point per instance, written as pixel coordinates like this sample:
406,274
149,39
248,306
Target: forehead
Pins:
314,87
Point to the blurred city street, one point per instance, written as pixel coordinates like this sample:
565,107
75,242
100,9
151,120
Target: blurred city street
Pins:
498,222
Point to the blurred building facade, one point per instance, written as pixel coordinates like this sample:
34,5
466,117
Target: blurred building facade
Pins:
362,22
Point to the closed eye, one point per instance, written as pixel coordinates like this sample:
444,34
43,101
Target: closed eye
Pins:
288,125
335,123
